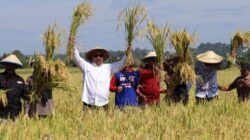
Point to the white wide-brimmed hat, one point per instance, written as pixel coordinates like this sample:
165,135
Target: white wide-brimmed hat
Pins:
149,55
11,59
93,51
209,57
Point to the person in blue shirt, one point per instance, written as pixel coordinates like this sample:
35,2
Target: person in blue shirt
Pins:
124,84
206,68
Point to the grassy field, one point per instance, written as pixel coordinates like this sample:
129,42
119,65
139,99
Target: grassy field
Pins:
221,119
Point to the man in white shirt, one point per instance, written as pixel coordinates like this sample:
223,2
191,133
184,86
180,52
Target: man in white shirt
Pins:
97,76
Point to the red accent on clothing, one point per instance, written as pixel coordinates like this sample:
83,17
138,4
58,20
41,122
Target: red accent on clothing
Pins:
149,86
112,86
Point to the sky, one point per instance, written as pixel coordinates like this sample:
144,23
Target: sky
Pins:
23,21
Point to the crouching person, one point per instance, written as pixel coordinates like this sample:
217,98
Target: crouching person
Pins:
96,76
14,86
124,84
241,83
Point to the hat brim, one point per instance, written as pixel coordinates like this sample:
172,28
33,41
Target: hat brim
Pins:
211,61
104,52
210,58
149,58
11,63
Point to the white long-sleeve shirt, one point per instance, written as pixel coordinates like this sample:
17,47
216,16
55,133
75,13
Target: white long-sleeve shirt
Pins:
96,79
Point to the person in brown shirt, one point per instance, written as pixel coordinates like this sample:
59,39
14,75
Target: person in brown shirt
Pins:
241,83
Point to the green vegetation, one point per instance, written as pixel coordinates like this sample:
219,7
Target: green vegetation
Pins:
222,119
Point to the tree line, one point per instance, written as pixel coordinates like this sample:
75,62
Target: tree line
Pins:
220,48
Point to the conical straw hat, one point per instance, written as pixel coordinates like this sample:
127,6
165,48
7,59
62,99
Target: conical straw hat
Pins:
97,49
150,54
11,59
209,57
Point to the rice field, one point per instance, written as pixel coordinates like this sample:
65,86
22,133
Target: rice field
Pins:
221,119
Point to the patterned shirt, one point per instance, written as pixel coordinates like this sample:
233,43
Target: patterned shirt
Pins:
128,80
206,86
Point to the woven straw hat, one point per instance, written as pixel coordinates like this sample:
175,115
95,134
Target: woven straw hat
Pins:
93,51
209,57
11,59
150,54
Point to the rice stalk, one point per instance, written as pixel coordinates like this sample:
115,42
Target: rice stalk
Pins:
183,71
3,97
49,73
131,18
240,39
158,38
52,41
81,14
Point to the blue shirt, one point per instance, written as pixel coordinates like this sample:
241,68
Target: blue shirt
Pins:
129,82
206,85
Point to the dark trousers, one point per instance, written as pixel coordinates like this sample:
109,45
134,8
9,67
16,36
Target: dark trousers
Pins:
204,100
91,107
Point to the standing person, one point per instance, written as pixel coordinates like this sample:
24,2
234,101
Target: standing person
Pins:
124,84
180,91
149,86
206,68
15,86
241,83
96,76
42,107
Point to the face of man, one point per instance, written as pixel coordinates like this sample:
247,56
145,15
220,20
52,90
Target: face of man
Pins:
244,72
151,62
10,68
97,58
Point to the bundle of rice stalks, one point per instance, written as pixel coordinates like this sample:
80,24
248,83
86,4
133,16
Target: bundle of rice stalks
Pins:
52,41
131,18
239,39
82,13
158,38
3,97
181,41
49,73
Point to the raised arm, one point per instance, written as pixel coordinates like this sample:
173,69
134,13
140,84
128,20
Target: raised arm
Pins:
80,62
223,65
117,66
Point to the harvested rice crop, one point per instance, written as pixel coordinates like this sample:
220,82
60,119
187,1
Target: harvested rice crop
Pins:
82,13
240,39
49,73
131,18
3,97
181,41
158,38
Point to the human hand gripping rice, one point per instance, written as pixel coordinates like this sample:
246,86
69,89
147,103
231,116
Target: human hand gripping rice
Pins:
240,39
131,18
158,38
82,13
